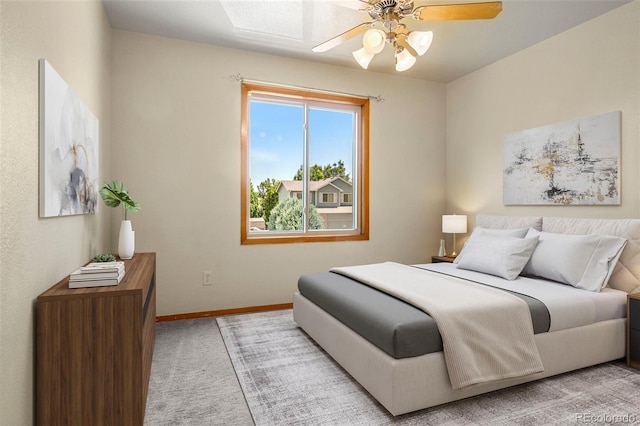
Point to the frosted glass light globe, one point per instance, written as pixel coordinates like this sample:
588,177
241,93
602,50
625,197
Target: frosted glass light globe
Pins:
363,57
373,40
404,60
420,41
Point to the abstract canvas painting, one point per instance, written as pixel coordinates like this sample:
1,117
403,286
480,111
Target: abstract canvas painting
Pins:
68,149
575,162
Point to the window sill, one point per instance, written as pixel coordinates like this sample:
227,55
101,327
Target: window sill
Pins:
280,239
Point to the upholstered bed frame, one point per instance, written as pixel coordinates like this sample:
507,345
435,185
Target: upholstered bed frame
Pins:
410,384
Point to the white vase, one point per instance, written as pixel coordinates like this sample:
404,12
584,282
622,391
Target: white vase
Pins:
126,240
442,251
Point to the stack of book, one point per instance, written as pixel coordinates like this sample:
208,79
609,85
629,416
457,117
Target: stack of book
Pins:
97,274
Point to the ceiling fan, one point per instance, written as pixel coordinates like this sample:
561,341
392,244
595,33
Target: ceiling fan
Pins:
386,27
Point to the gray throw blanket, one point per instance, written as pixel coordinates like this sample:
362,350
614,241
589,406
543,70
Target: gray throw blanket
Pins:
487,334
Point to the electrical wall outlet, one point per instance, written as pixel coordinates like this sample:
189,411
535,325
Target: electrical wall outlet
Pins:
207,278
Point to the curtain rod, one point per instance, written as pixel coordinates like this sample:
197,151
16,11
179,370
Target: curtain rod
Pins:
241,79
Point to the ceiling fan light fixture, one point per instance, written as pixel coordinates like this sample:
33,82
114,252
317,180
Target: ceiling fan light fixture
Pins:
388,26
363,57
373,40
404,60
420,41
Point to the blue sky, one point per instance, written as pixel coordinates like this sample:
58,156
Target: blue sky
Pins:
276,138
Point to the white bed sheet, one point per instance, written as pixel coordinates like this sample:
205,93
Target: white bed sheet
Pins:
568,306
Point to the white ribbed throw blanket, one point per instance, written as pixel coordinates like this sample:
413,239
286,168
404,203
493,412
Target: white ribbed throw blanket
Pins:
486,333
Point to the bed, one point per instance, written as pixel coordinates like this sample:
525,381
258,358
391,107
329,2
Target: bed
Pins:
406,371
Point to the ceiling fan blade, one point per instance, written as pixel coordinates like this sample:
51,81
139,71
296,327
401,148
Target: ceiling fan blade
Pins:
330,44
450,12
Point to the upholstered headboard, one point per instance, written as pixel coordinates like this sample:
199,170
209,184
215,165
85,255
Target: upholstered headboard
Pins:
626,275
509,222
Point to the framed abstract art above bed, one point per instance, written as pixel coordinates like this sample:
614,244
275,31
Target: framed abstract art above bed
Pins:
574,162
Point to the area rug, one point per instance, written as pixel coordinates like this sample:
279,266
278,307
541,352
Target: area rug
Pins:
289,380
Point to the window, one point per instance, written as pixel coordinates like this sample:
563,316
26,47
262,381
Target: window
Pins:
347,198
329,197
300,149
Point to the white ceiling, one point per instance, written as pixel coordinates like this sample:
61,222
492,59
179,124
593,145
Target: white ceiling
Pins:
292,27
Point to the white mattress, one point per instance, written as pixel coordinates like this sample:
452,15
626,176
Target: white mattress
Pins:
568,306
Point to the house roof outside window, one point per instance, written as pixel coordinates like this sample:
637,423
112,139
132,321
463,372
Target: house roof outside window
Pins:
314,185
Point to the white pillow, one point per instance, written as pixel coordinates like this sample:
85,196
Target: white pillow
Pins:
582,261
499,255
518,233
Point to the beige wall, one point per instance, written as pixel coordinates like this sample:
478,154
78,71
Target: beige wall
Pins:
36,253
176,138
589,70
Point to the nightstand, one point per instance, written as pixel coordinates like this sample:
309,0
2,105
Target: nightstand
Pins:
633,330
442,259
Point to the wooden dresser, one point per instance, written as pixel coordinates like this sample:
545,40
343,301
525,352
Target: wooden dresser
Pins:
94,349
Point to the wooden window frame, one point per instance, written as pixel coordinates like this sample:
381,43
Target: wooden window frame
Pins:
362,231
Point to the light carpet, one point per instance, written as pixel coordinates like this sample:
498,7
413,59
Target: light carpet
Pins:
192,379
288,379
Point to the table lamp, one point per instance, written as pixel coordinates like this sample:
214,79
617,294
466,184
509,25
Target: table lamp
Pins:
454,224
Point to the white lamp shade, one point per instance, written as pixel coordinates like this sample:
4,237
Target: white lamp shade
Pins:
373,40
454,223
420,41
404,60
363,57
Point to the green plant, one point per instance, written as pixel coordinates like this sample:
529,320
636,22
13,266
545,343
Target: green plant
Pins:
104,257
115,193
287,216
